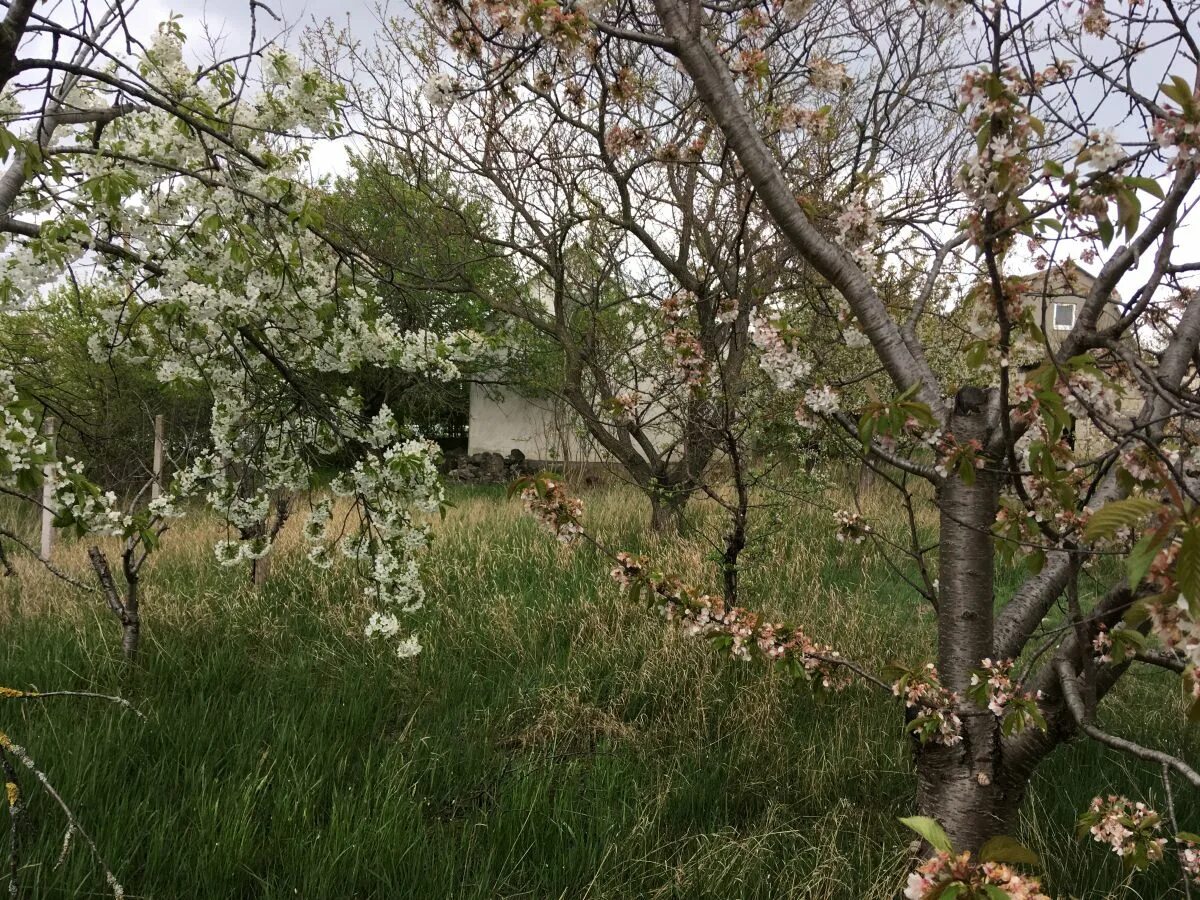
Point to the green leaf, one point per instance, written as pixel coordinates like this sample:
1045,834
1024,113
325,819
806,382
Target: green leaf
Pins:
931,831
1149,185
995,893
977,354
518,485
1112,517
1187,568
1004,849
1035,561
1178,90
1142,555
1106,231
1129,211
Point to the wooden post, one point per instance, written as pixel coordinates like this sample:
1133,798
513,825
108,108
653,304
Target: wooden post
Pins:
48,429
156,486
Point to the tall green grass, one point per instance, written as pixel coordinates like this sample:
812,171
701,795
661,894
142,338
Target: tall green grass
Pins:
554,740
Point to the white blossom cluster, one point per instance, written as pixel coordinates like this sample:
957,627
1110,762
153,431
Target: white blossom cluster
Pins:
858,231
782,362
236,291
27,458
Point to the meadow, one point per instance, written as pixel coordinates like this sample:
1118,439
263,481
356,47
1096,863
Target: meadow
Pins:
554,740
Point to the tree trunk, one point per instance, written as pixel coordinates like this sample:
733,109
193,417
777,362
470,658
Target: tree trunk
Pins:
972,802
131,618
260,571
666,513
964,786
131,635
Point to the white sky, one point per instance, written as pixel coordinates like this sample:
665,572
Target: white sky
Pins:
229,21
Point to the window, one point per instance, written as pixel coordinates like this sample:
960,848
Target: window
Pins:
1064,316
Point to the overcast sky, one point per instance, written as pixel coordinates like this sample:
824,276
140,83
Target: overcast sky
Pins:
229,20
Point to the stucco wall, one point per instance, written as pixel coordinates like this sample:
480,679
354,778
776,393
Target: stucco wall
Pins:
503,420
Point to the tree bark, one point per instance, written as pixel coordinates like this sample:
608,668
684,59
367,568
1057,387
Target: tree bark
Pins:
666,511
126,610
965,786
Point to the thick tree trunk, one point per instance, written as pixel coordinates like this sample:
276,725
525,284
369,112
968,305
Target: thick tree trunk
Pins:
965,786
967,789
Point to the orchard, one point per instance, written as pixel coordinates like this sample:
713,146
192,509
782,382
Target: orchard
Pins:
926,270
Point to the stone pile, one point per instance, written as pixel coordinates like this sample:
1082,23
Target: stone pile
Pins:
489,468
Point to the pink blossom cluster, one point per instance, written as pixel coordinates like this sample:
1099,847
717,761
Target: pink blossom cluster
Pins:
935,720
620,139
746,633
687,353
1173,624
1189,859
1094,20
624,407
562,28
750,63
938,874
851,527
1087,395
1142,464
1130,829
826,75
1179,132
794,117
993,686
951,453
995,679
676,307
994,176
559,512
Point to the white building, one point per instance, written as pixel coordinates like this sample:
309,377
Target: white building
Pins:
546,429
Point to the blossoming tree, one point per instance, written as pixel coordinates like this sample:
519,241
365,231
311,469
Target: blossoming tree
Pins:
176,188
649,254
180,188
1039,176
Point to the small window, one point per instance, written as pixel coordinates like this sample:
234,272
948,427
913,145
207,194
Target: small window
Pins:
1064,316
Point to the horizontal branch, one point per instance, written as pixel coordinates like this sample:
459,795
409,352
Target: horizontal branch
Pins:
1074,700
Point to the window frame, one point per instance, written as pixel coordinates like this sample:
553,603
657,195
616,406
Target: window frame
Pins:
1058,304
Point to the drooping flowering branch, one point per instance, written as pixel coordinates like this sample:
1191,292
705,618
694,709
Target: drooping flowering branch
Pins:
740,632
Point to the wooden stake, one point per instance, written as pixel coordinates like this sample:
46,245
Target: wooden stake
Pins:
48,429
156,486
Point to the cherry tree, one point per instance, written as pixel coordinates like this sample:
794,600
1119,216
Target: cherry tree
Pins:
177,190
648,256
1079,129
181,188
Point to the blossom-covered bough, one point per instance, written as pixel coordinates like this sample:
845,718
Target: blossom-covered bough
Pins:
178,186
1053,438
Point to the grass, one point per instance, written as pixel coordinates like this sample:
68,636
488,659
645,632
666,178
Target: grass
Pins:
553,741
